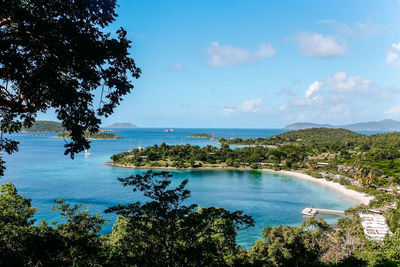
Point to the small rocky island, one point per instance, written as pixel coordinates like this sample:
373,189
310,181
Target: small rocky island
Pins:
97,136
202,136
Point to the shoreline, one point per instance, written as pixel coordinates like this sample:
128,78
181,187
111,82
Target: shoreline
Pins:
361,198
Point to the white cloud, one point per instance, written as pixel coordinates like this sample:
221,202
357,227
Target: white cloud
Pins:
337,96
317,45
176,66
248,106
314,87
313,95
395,110
252,105
341,85
393,55
223,55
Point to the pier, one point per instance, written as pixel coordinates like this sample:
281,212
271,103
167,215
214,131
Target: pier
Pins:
312,211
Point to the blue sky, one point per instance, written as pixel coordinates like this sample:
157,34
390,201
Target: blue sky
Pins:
261,64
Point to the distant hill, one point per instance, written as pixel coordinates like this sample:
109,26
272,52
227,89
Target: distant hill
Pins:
384,125
304,136
307,125
44,126
122,125
103,136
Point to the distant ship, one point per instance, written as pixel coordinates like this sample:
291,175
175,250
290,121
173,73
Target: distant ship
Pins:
169,131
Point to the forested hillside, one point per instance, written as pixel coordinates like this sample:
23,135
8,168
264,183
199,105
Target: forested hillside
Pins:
44,126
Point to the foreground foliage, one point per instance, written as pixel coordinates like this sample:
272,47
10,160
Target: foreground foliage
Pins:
164,231
54,54
160,232
179,235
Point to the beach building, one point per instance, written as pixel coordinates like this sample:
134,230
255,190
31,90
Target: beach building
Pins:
375,227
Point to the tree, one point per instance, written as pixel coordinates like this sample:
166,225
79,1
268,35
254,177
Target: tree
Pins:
55,54
73,243
285,246
166,232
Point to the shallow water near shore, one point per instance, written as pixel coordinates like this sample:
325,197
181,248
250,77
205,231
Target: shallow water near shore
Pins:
42,172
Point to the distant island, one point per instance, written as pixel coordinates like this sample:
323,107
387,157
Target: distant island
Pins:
202,136
306,125
384,125
100,135
122,125
44,127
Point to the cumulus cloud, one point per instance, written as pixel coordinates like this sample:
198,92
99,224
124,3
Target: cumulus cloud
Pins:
320,46
393,55
248,106
331,98
224,55
341,85
313,91
313,95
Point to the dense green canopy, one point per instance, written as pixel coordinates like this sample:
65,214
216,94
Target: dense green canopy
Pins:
53,55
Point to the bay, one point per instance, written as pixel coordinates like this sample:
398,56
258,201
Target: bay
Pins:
42,172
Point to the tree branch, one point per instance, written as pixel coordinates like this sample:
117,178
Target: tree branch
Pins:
5,21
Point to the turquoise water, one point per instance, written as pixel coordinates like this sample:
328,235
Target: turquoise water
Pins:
42,172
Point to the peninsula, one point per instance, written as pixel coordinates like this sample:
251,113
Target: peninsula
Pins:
44,127
368,164
383,125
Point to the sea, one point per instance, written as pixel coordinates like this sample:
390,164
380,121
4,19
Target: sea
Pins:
42,172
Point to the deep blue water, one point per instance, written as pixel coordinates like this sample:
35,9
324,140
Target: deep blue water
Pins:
42,172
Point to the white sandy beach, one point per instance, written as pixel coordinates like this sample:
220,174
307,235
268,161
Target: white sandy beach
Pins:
361,198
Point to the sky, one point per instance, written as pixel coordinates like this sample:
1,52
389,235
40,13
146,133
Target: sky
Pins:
260,64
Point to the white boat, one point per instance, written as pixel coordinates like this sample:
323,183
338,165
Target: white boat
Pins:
87,153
